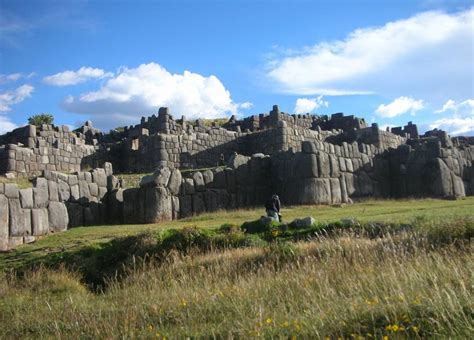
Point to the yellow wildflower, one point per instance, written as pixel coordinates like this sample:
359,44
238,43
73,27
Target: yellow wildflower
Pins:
395,328
385,337
268,321
285,324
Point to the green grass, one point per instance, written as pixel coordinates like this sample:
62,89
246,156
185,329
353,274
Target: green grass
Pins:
21,182
408,275
400,211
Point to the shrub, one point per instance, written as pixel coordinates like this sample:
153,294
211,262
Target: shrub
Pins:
39,119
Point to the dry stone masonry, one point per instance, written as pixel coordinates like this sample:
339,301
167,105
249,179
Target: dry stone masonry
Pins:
305,159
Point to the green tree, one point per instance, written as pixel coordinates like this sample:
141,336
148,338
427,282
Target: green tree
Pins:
43,118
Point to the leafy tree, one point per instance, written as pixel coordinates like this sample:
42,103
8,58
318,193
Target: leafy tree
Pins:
43,118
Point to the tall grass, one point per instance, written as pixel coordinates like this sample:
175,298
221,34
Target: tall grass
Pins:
397,285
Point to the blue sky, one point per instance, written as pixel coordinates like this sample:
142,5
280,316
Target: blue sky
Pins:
115,61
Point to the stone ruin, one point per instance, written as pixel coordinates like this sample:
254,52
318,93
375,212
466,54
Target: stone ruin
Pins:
305,159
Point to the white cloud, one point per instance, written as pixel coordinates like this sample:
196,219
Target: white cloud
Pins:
6,78
399,106
6,125
461,120
246,105
429,55
76,77
9,98
134,92
307,105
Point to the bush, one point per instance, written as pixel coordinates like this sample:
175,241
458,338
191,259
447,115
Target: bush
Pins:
43,118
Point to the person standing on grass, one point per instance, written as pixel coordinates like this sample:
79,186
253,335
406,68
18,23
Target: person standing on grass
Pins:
273,208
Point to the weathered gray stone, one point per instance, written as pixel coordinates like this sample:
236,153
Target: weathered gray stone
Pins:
158,206
160,177
208,177
198,181
58,216
39,221
108,169
130,206
305,222
40,192
4,215
115,205
75,195
20,219
309,147
63,191
175,207
174,184
305,165
236,160
84,191
94,189
198,203
26,198
53,191
323,164
113,183
336,195
99,176
11,190
188,186
186,205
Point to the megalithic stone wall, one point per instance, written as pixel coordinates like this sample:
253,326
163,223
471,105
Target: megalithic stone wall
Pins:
30,150
55,202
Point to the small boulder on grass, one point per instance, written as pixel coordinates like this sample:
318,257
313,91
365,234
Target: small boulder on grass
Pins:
305,222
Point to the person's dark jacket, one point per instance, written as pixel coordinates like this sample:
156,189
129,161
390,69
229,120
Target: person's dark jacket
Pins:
273,204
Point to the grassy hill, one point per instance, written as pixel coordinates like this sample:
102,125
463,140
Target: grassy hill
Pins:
373,269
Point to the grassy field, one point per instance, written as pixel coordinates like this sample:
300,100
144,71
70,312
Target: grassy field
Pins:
408,275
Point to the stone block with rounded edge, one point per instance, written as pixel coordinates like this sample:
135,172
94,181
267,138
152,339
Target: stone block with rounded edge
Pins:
26,198
39,221
58,216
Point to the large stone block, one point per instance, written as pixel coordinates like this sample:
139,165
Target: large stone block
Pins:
323,164
84,191
39,221
130,206
334,166
174,184
188,186
75,195
160,177
20,219
53,191
186,205
208,177
310,191
58,216
4,216
11,190
40,192
26,198
63,191
219,179
305,165
336,195
458,186
99,176
198,181
158,205
198,204
76,214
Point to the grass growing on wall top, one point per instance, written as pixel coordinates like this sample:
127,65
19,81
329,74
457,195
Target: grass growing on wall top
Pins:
21,182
